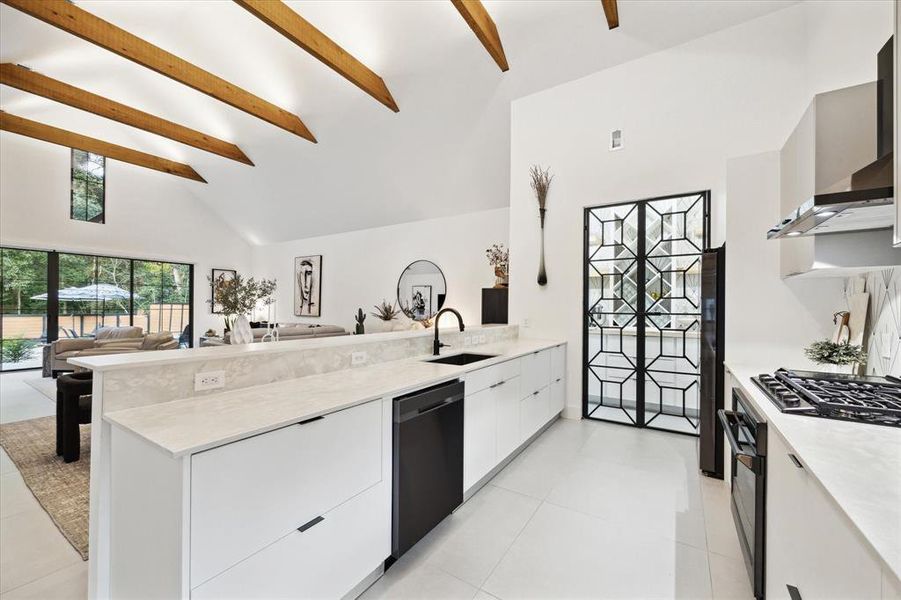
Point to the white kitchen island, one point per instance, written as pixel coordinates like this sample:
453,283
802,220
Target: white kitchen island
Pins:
284,488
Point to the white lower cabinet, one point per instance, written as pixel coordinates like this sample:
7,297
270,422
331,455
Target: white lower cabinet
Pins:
324,561
301,512
507,426
505,405
479,435
558,396
810,543
534,411
248,494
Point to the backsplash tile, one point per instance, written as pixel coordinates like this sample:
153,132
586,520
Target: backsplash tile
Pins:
883,341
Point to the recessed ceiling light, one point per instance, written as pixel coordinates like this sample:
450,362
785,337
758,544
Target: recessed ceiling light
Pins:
793,233
827,213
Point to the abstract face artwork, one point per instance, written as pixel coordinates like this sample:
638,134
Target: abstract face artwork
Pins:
307,285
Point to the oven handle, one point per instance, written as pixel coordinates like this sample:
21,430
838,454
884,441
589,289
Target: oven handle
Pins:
729,419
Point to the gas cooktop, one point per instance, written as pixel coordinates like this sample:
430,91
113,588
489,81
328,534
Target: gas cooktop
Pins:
875,400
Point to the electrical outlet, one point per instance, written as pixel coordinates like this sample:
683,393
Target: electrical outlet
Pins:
357,358
482,338
210,380
467,341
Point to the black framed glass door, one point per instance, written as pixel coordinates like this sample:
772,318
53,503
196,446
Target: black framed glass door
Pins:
641,302
47,295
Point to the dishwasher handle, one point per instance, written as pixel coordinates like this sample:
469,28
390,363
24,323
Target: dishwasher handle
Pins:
428,400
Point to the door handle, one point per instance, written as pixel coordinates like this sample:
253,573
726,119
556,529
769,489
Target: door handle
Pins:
795,460
793,592
319,418
729,418
311,523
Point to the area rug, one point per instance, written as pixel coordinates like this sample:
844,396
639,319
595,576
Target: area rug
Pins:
60,488
45,385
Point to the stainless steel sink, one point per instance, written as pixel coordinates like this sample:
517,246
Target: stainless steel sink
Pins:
464,358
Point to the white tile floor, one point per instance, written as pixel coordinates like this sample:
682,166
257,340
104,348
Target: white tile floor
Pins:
589,510
36,561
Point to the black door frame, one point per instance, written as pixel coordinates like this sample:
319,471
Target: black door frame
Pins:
640,308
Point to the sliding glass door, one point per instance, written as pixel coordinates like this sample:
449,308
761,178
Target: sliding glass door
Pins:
642,300
49,295
162,296
23,314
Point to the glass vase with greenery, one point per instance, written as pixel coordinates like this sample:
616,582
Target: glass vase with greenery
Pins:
238,296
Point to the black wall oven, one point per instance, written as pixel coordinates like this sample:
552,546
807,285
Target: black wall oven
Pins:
746,433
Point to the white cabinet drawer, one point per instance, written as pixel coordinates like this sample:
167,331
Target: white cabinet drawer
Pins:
248,494
325,561
558,363
476,381
558,397
534,412
536,372
507,402
479,435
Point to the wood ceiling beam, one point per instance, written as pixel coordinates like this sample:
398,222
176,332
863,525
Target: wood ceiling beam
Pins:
62,137
611,12
483,26
72,19
26,80
287,22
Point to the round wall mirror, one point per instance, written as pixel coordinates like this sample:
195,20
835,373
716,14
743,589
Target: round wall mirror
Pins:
421,290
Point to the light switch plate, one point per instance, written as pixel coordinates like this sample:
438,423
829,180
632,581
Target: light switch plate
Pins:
209,380
357,358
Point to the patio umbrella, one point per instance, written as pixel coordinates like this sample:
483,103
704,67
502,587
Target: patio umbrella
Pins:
95,291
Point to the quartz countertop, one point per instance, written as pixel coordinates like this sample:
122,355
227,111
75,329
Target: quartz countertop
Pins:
859,465
192,425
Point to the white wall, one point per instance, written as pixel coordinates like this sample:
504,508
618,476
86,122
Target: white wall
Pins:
684,112
767,318
361,268
148,215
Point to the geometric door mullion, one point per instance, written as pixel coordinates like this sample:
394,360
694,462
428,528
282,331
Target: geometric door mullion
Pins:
641,297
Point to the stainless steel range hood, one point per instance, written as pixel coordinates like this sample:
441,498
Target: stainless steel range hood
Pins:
838,132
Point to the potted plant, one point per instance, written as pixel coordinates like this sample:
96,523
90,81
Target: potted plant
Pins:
387,314
238,297
837,357
499,258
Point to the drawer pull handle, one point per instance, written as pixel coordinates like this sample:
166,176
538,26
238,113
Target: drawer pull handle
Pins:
498,384
798,464
319,418
558,379
311,523
793,592
535,393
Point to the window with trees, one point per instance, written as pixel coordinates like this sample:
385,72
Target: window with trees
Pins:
47,295
88,186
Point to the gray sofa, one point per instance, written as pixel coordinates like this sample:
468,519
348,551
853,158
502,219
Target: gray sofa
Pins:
286,332
106,340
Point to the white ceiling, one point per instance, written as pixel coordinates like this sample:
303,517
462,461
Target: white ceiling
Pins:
446,151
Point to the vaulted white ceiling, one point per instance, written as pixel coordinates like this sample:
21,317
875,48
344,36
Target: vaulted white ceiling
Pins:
446,151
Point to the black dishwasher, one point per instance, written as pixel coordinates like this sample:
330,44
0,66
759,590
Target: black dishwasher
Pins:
428,462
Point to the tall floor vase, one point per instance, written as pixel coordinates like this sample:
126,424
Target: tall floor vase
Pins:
542,273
